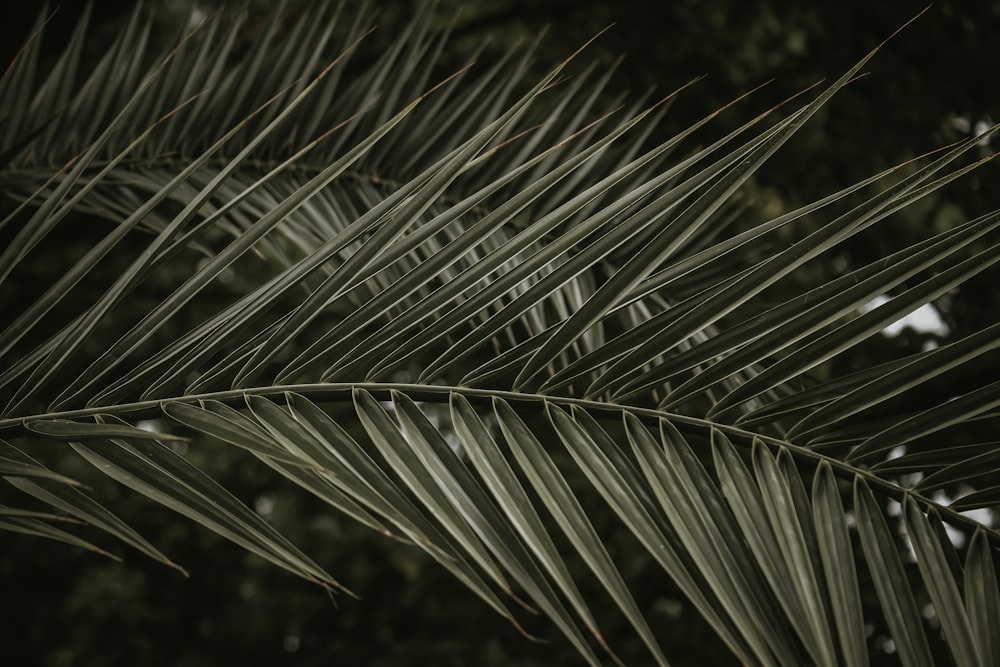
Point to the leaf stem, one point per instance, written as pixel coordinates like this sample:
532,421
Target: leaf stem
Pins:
342,392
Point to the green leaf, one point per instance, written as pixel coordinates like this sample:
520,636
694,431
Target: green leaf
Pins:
834,541
415,459
31,526
154,470
890,580
51,489
492,321
982,598
943,589
64,429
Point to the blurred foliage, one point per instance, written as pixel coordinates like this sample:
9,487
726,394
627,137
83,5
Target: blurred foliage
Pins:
66,607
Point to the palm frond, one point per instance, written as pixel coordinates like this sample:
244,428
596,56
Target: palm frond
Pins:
457,308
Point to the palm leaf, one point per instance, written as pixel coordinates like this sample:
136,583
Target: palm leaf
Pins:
309,261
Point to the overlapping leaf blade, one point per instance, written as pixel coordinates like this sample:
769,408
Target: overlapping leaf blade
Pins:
514,243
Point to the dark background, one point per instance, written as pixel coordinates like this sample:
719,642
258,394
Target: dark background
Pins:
930,86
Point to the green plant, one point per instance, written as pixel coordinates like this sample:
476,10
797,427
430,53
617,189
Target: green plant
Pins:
465,314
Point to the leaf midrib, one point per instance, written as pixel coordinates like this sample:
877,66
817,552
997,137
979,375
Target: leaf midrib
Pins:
342,392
